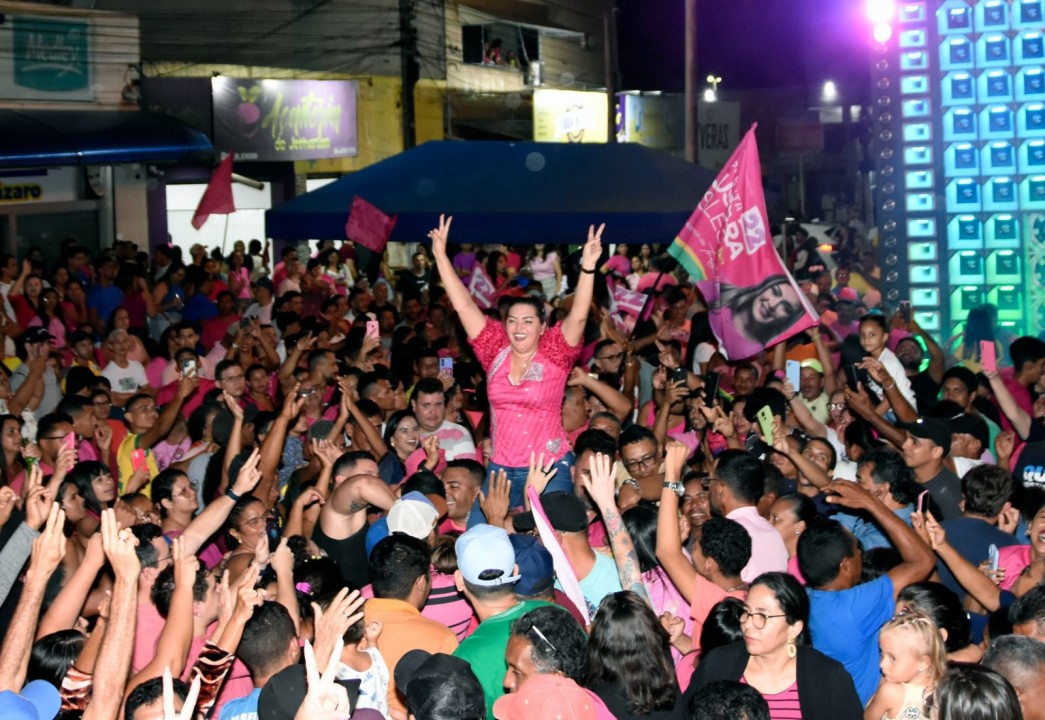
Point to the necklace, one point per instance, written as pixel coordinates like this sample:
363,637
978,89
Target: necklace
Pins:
741,586
522,373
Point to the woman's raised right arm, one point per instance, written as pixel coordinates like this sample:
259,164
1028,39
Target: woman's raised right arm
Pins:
471,316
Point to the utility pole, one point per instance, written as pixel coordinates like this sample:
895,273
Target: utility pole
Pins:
409,70
610,41
692,83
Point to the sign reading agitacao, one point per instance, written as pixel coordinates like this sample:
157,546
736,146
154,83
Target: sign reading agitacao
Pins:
268,120
50,59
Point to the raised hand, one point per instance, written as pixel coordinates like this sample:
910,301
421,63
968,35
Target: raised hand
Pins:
232,405
675,454
38,499
119,547
344,611
293,403
326,451
188,708
495,505
8,500
592,250
187,386
601,483
326,699
282,561
849,494
431,447
249,475
439,235
49,548
540,474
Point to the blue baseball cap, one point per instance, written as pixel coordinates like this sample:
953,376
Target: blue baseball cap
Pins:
485,556
39,700
536,569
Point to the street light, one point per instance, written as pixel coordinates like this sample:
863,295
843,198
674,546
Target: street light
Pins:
711,93
829,94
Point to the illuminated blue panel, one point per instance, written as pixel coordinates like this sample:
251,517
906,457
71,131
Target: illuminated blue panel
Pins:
959,124
1030,121
964,231
919,179
954,17
918,155
925,274
996,123
961,160
1030,84
917,132
909,13
920,202
922,252
912,39
914,85
992,16
1032,193
999,194
1027,14
915,60
1003,231
1032,157
995,86
1029,48
956,54
958,88
993,50
998,158
921,228
963,196
1004,267
966,267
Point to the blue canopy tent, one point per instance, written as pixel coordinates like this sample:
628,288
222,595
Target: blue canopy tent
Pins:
510,192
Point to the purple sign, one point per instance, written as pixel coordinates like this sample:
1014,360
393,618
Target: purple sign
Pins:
269,120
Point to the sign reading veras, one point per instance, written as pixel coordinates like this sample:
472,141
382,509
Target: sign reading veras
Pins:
269,120
50,59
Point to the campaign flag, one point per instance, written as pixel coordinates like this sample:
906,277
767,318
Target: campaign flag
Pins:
627,301
564,571
217,198
482,288
753,302
368,226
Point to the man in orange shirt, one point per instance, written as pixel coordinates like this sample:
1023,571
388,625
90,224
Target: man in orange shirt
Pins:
399,575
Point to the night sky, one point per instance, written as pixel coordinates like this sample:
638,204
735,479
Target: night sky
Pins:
749,43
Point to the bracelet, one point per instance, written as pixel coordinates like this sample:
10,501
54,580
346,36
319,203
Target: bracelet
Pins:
234,496
587,271
792,398
891,386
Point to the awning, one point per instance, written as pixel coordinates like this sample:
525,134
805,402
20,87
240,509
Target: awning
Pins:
47,138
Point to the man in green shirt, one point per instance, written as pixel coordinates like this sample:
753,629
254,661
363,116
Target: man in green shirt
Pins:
487,574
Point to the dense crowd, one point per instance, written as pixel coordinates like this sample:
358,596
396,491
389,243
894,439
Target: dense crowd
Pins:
335,486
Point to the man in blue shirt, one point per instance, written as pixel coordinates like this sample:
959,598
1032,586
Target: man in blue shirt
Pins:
884,474
269,644
104,297
844,617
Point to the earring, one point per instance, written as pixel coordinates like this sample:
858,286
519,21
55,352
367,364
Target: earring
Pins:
792,649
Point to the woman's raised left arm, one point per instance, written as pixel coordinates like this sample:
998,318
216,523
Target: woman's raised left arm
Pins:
573,325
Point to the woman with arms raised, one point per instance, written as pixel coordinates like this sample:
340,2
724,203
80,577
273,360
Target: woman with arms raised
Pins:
527,364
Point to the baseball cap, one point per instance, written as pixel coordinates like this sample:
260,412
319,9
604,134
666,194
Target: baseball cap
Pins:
285,691
221,427
969,424
536,569
36,335
815,364
565,512
546,696
414,515
39,700
931,429
485,556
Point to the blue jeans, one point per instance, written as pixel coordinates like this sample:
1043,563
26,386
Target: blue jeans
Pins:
561,481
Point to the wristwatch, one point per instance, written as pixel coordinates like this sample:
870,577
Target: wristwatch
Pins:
675,487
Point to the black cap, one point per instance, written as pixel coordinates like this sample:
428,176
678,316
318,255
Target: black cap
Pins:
417,663
969,424
565,512
931,429
285,691
36,335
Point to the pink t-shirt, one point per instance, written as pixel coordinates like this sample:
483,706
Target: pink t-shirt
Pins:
146,635
707,595
619,265
794,571
1013,560
527,417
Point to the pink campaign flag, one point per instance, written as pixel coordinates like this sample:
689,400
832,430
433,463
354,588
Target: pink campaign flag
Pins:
725,246
563,569
482,288
368,226
217,198
627,301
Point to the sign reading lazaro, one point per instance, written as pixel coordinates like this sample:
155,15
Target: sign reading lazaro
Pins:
268,120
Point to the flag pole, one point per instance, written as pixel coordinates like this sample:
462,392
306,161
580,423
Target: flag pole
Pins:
225,235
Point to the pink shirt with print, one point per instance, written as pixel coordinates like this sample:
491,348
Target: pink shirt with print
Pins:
527,417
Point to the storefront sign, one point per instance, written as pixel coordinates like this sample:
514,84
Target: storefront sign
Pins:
655,121
718,132
20,187
279,120
570,116
51,59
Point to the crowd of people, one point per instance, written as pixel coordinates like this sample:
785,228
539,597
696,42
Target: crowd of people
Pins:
327,487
